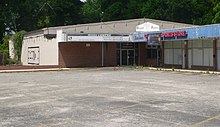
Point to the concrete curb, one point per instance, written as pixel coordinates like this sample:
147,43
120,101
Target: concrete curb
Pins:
183,70
146,68
34,70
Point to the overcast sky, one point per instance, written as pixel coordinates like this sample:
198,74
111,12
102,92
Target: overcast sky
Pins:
83,0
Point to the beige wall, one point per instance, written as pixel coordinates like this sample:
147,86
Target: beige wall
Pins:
48,50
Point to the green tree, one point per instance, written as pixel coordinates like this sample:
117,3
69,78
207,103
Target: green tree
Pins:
108,10
4,49
202,11
92,11
179,11
216,10
17,38
34,14
155,9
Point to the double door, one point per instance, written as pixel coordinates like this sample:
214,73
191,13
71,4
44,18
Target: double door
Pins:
127,57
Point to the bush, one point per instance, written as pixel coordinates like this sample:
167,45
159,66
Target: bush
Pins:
10,61
4,49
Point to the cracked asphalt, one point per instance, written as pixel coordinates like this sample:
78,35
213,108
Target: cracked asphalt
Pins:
109,98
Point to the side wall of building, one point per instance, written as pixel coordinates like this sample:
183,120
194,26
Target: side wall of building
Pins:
46,51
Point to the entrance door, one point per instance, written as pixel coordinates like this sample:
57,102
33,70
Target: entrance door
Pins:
124,56
128,57
153,55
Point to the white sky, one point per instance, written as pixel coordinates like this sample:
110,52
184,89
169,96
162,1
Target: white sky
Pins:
83,0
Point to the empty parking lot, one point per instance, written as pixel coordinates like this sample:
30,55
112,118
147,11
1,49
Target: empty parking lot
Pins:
109,98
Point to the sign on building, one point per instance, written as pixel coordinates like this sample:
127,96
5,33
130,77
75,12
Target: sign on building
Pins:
154,39
33,55
97,38
174,35
147,27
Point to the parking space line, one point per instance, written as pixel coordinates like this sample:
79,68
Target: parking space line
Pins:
207,120
151,117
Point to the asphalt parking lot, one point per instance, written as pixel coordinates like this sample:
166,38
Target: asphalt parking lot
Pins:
109,98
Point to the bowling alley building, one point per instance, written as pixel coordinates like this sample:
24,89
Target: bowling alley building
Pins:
95,44
145,42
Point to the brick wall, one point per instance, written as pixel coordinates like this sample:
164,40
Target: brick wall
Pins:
80,55
110,54
142,54
152,62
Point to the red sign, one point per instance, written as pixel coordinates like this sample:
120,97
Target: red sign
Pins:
174,34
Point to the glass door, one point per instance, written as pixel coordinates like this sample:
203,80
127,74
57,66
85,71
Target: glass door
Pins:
127,57
131,57
124,57
127,54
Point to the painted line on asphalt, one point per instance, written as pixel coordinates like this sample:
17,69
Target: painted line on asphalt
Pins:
149,117
207,120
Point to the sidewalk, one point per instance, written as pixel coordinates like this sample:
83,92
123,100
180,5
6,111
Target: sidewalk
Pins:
34,70
183,70
110,68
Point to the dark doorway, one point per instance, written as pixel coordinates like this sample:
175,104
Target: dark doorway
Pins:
127,54
153,55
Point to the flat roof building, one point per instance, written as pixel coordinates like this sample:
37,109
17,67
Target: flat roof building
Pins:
93,44
188,48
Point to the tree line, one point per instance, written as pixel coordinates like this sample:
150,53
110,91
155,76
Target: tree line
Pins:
34,14
28,15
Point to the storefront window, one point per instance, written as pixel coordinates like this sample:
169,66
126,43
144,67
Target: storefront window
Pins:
168,45
178,56
173,52
208,57
168,52
202,53
178,45
197,44
218,44
190,44
168,56
207,43
151,53
197,57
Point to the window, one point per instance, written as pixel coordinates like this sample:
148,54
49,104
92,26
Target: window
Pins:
218,44
173,52
152,51
202,52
